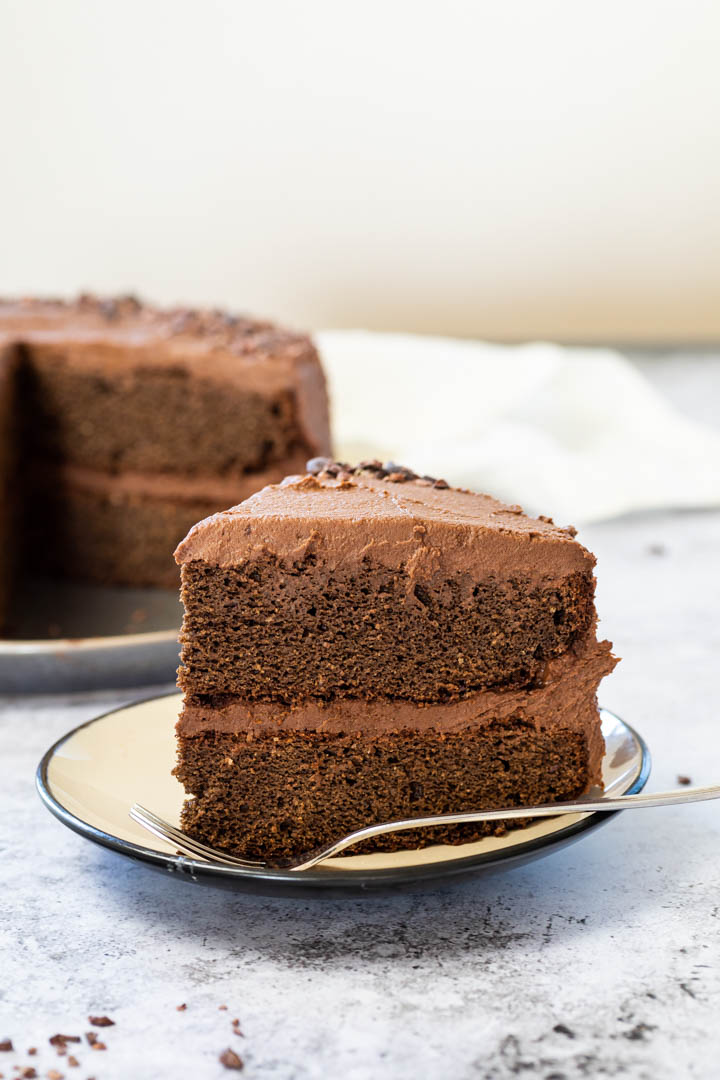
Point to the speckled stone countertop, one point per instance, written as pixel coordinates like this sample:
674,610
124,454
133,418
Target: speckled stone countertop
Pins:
600,960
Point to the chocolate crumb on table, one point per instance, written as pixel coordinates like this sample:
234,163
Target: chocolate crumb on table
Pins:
231,1060
181,1008
101,1021
63,1040
6,1045
32,1050
72,1061
684,780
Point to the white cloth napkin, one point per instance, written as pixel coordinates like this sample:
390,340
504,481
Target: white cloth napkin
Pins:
576,433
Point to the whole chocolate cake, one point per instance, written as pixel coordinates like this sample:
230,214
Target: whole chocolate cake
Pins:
130,423
365,644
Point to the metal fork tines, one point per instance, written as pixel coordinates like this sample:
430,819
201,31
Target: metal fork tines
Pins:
187,845
603,804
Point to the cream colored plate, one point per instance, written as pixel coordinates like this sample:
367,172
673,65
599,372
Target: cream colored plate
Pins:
90,778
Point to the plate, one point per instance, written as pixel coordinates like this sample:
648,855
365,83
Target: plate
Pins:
91,776
73,636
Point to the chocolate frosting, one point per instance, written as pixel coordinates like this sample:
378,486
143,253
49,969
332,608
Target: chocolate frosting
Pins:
121,334
565,700
388,517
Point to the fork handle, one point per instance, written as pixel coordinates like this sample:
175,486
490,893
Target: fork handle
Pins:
575,806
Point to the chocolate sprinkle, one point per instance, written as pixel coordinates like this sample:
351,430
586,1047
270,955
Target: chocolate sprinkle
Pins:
317,465
396,474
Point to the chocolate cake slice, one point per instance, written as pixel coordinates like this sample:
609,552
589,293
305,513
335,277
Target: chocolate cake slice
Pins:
367,644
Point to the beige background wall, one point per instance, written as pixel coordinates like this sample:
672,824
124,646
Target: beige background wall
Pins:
509,169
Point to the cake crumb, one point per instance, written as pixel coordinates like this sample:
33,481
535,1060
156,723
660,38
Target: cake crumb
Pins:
63,1040
6,1045
181,1008
32,1051
73,1062
28,1073
231,1060
684,780
53,1074
101,1021
222,1008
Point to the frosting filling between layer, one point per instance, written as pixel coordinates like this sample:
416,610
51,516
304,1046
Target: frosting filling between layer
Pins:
198,487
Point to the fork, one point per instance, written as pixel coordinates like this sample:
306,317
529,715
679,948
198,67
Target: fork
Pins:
188,845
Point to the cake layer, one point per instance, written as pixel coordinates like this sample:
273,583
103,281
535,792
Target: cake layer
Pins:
121,529
269,634
286,794
115,385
